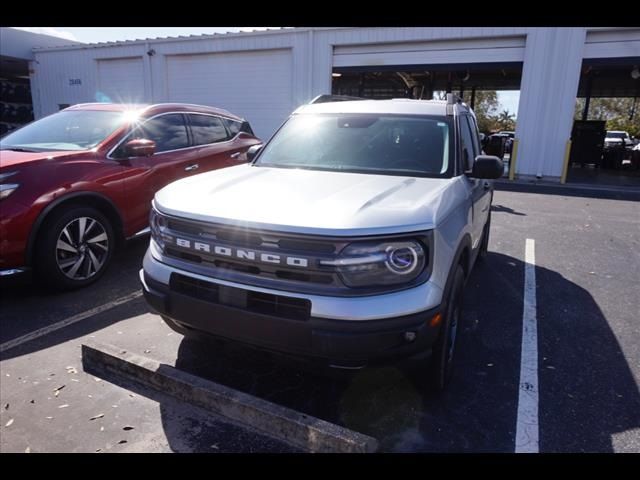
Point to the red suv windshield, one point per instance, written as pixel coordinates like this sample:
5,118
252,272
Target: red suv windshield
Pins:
68,130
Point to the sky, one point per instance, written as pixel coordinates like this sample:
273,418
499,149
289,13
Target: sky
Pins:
508,99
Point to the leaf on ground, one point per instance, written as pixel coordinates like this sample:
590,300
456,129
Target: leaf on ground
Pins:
127,428
122,441
147,351
97,379
102,429
27,450
32,401
100,415
48,418
56,391
98,450
6,406
71,370
75,380
8,424
64,406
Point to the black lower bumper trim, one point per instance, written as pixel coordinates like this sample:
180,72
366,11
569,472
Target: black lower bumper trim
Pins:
337,342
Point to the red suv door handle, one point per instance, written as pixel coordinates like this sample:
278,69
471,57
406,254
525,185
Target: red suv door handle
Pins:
235,155
191,167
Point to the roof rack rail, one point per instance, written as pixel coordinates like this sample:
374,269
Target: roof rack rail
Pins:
452,99
334,98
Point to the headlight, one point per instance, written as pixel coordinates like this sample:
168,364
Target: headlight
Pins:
370,264
158,223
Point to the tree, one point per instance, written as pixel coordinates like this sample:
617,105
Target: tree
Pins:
485,108
505,120
619,113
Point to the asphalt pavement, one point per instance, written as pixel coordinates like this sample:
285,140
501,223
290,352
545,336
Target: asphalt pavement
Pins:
587,272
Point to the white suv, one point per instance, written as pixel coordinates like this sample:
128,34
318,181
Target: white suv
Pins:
347,239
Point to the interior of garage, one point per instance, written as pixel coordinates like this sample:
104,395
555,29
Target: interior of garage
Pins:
608,100
16,107
476,84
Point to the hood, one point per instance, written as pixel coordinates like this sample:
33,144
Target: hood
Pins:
306,201
10,159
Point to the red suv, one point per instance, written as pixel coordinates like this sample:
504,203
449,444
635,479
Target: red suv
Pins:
73,184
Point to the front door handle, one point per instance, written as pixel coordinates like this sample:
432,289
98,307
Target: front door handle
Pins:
191,167
234,155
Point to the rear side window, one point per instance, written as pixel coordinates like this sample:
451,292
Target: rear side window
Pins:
207,129
168,131
236,127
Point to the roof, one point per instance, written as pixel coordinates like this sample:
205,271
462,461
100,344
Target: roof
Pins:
154,109
204,36
394,106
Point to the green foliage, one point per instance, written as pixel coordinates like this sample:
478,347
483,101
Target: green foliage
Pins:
618,112
486,110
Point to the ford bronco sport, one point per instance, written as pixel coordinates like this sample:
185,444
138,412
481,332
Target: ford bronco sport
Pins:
347,239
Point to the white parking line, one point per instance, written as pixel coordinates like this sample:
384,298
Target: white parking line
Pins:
527,429
69,321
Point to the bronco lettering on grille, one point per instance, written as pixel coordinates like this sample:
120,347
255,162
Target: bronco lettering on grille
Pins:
242,254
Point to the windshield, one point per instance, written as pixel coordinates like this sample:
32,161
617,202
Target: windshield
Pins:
69,130
382,144
616,135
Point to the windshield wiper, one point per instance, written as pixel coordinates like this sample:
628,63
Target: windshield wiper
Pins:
18,149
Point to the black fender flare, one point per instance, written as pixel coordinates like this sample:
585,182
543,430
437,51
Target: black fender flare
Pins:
464,246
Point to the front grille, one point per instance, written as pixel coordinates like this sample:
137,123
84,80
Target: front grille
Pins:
255,272
257,302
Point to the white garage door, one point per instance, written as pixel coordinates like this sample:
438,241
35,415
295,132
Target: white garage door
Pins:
505,49
255,85
121,80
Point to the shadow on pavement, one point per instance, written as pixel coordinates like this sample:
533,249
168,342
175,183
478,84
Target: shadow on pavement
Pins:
27,307
478,411
502,208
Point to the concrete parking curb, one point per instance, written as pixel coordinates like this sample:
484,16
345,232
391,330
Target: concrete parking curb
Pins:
294,428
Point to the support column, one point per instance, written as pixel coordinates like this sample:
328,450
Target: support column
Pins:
587,100
550,76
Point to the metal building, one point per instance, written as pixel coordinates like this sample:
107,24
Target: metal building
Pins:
264,75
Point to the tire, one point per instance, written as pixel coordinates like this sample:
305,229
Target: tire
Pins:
484,245
441,364
65,259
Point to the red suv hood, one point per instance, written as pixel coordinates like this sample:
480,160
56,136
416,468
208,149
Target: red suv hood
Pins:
9,158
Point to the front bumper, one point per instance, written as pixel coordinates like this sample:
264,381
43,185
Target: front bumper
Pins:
332,341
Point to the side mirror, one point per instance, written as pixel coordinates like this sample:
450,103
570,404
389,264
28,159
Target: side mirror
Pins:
140,147
253,151
487,166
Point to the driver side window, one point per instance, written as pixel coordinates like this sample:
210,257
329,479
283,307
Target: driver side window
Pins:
467,144
169,132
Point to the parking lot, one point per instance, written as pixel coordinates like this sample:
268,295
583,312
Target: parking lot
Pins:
586,253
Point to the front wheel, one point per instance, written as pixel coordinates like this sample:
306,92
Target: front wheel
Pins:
75,248
441,366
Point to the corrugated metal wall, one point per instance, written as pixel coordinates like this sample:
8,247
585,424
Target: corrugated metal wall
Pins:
552,59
